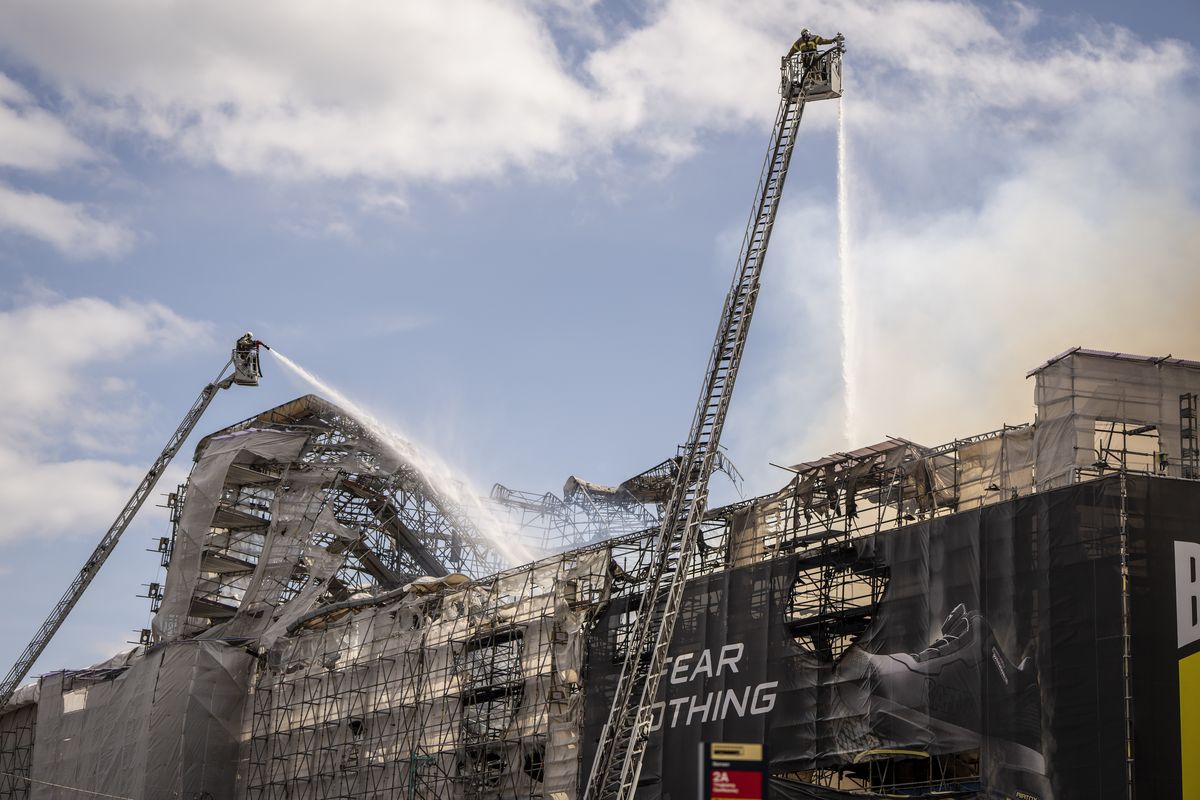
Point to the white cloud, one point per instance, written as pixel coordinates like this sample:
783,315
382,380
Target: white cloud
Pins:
396,92
70,228
384,203
1006,179
33,495
63,403
460,89
400,91
696,66
34,139
12,92
37,141
1008,203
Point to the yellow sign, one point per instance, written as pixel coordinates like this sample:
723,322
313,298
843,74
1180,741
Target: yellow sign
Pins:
1189,724
732,751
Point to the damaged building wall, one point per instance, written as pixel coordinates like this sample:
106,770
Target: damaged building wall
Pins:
218,540
465,692
297,508
1097,413
300,542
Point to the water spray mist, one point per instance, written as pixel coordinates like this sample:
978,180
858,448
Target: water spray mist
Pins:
433,470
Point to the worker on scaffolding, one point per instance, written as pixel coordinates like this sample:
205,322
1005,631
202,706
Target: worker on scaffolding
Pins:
807,46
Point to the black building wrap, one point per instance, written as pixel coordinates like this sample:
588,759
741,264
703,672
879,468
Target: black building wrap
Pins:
1164,521
999,631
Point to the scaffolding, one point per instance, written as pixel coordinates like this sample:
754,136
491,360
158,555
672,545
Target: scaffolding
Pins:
1189,437
464,691
375,668
18,730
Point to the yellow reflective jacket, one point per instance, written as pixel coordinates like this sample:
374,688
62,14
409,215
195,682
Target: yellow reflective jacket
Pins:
809,45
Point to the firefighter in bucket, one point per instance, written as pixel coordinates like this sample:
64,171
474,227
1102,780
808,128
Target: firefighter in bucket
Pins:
808,65
246,368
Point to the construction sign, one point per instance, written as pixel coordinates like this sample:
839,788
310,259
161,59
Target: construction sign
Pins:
732,771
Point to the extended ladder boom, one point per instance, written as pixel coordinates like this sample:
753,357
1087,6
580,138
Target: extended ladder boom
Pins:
58,615
618,758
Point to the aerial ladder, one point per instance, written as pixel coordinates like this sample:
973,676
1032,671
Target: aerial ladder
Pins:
241,369
617,764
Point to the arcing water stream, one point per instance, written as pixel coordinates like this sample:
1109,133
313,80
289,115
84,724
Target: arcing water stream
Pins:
849,387
433,470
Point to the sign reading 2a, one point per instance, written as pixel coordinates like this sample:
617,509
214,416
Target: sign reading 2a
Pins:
732,771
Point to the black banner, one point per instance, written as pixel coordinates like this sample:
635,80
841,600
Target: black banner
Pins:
1164,526
998,639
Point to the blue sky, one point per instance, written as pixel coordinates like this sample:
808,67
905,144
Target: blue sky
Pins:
508,228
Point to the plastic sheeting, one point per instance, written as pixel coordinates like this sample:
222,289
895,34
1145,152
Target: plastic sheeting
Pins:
168,726
995,469
1083,387
266,611
204,493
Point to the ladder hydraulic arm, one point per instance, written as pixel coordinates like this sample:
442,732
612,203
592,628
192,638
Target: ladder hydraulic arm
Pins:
245,373
618,758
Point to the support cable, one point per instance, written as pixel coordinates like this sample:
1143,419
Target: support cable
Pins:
75,789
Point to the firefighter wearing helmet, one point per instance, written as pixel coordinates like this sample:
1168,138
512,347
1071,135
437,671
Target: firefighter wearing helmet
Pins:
808,43
245,359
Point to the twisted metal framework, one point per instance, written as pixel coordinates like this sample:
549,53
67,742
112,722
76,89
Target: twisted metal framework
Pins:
406,508
357,521
470,691
588,513
582,518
